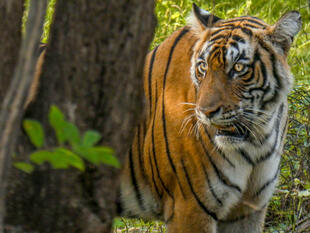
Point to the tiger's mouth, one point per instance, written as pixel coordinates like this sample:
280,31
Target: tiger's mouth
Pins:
232,132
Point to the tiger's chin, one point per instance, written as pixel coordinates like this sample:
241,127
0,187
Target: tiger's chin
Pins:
230,139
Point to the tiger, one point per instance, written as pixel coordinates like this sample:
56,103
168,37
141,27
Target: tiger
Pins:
206,155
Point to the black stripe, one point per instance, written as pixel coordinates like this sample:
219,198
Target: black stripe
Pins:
235,45
211,187
218,149
246,157
217,32
217,38
277,129
238,38
264,73
275,74
214,50
154,151
200,203
251,26
219,174
246,31
182,33
150,78
160,195
140,155
203,54
250,79
134,180
243,20
256,22
267,183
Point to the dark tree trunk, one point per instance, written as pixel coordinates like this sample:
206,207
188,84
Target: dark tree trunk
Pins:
10,33
93,72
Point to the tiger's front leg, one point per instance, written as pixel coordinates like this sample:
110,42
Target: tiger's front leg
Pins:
188,217
253,223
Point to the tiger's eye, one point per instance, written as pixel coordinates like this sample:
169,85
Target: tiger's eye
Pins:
238,67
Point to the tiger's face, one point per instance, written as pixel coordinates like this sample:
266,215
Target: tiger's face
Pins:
240,72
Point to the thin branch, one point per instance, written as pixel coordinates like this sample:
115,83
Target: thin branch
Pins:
12,106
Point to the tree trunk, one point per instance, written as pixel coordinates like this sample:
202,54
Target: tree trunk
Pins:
12,107
93,72
10,33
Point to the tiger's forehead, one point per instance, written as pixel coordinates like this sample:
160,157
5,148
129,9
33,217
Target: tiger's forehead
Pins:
248,22
229,41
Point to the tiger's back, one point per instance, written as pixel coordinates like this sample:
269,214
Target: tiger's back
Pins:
206,156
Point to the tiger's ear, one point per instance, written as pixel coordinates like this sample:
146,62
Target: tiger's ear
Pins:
201,19
285,29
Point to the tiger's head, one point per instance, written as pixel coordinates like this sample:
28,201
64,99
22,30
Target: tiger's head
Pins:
240,72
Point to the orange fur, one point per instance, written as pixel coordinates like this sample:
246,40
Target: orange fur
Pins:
175,170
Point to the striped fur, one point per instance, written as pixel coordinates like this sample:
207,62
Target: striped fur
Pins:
206,156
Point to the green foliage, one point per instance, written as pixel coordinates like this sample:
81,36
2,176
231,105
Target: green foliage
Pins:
73,148
59,158
90,138
292,201
118,223
25,167
35,132
57,120
138,225
172,15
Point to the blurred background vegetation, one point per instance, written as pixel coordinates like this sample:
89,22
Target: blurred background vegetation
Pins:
289,209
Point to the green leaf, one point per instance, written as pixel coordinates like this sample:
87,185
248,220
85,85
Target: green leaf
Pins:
57,120
35,132
72,134
97,155
39,157
106,156
91,138
71,158
61,158
25,167
87,154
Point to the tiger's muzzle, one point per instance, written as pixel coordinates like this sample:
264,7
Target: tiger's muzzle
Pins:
227,124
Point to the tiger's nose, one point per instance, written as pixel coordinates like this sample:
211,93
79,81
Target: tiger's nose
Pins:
210,112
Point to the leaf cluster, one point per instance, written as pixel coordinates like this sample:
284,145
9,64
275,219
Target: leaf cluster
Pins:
73,148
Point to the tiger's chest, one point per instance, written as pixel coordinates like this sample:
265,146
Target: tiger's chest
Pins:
243,176
248,184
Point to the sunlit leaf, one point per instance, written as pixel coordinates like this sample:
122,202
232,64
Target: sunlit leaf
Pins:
35,132
71,133
91,138
61,158
71,158
25,167
97,155
39,157
57,121
106,156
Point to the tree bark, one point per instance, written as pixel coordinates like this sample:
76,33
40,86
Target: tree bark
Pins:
10,33
93,72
